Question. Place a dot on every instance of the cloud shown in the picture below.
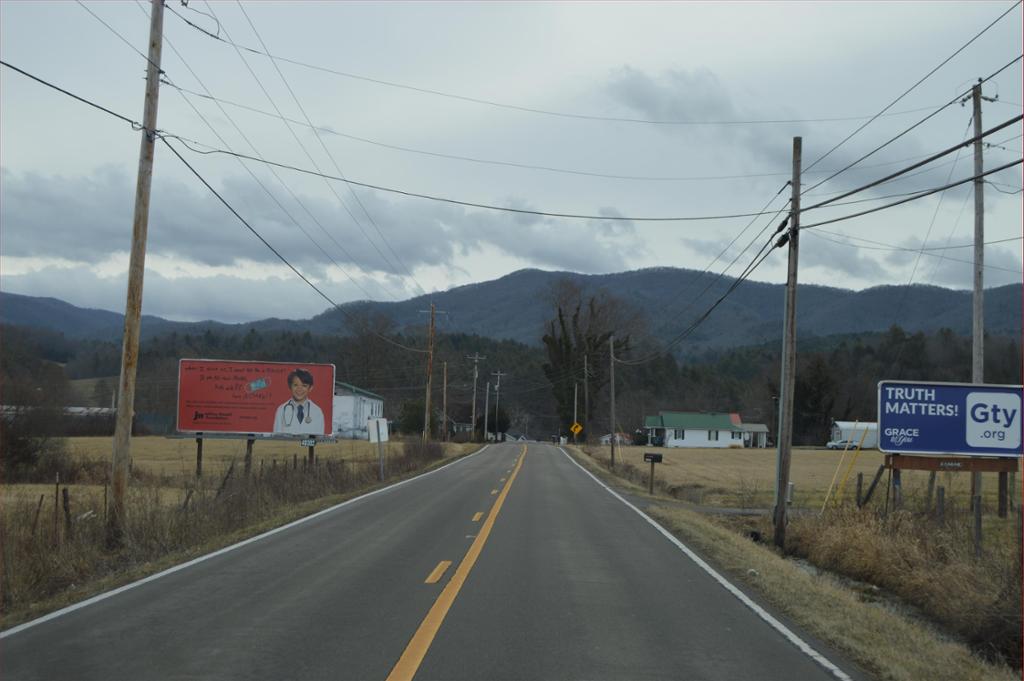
(840, 258)
(954, 268)
(86, 218)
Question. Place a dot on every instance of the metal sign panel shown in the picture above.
(378, 430)
(260, 398)
(949, 418)
(575, 428)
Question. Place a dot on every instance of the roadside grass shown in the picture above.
(745, 478)
(53, 560)
(163, 456)
(954, 602)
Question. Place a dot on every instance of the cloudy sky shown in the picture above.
(552, 111)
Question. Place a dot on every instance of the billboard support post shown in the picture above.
(199, 455)
(312, 455)
(248, 455)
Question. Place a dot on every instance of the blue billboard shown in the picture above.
(949, 418)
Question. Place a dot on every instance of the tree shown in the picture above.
(584, 334)
(410, 418)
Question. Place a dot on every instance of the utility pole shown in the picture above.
(978, 314)
(786, 384)
(575, 395)
(497, 399)
(487, 411)
(122, 452)
(444, 402)
(586, 400)
(430, 374)
(476, 358)
(611, 374)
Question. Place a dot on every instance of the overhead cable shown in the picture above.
(881, 146)
(919, 195)
(275, 251)
(914, 86)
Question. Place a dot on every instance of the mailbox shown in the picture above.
(651, 457)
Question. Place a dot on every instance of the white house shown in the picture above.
(755, 435)
(695, 429)
(353, 407)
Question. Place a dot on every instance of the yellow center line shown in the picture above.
(410, 661)
(477, 516)
(435, 576)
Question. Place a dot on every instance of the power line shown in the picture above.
(527, 109)
(881, 246)
(135, 125)
(919, 195)
(344, 205)
(914, 86)
(929, 159)
(120, 37)
(329, 154)
(471, 204)
(513, 164)
(275, 251)
(273, 172)
(907, 130)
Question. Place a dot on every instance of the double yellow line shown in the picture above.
(407, 665)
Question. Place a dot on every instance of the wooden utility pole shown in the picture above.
(575, 396)
(586, 400)
(978, 312)
(430, 374)
(497, 399)
(121, 456)
(487, 411)
(476, 358)
(444, 403)
(788, 380)
(611, 374)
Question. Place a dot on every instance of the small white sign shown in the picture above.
(993, 420)
(378, 429)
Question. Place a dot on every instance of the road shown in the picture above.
(550, 577)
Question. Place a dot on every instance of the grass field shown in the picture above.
(171, 456)
(746, 477)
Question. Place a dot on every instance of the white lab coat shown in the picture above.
(286, 419)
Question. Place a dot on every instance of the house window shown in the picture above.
(712, 434)
(680, 434)
(737, 435)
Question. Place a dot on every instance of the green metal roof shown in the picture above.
(690, 420)
(356, 391)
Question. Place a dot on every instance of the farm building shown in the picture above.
(707, 430)
(352, 408)
(854, 430)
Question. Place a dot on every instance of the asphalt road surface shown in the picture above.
(513, 563)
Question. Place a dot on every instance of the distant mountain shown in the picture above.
(516, 306)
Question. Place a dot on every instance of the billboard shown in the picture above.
(949, 418)
(261, 398)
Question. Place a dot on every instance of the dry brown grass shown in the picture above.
(46, 565)
(745, 478)
(165, 456)
(874, 635)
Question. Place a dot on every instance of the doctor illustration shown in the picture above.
(299, 416)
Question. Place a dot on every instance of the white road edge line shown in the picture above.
(802, 645)
(163, 573)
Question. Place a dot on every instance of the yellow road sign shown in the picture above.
(576, 428)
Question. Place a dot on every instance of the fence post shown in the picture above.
(295, 462)
(977, 526)
(35, 520)
(56, 512)
(248, 456)
(931, 492)
(940, 504)
(68, 532)
(860, 489)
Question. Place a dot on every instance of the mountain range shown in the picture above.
(517, 306)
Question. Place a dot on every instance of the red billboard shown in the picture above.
(264, 398)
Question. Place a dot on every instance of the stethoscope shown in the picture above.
(289, 413)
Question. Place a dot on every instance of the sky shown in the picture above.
(626, 110)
